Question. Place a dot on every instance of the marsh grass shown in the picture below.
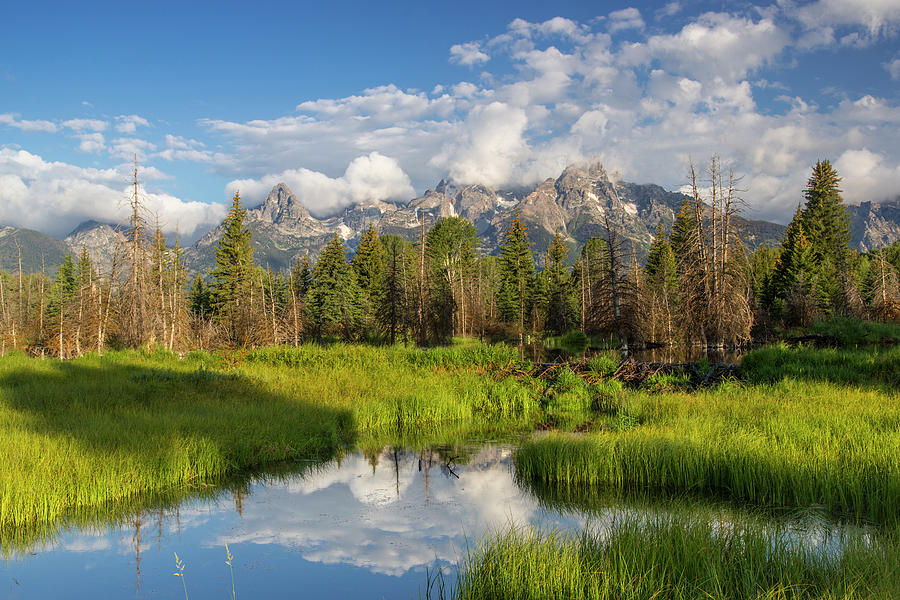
(853, 332)
(99, 432)
(804, 427)
(676, 556)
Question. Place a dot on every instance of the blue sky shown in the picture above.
(363, 101)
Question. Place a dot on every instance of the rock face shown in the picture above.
(101, 240)
(580, 203)
(874, 225)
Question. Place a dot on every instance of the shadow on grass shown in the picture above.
(93, 440)
(873, 367)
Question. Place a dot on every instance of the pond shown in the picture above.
(367, 525)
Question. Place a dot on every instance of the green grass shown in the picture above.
(100, 432)
(853, 332)
(804, 427)
(681, 556)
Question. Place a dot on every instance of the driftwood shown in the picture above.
(630, 372)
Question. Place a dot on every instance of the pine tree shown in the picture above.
(590, 268)
(393, 307)
(795, 277)
(232, 285)
(516, 276)
(683, 230)
(332, 301)
(826, 225)
(301, 276)
(368, 264)
(200, 299)
(660, 267)
(558, 287)
(661, 285)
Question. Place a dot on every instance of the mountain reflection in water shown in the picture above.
(364, 526)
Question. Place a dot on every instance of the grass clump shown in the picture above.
(785, 436)
(95, 431)
(677, 557)
(853, 332)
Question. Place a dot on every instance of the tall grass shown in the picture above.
(95, 431)
(677, 557)
(818, 427)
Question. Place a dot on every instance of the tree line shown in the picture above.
(698, 285)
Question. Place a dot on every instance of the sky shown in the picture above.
(349, 102)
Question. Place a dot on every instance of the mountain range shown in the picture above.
(578, 203)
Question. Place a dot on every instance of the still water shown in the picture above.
(364, 526)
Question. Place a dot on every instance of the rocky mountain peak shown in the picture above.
(281, 205)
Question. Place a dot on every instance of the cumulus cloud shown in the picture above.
(893, 68)
(715, 45)
(85, 124)
(91, 142)
(468, 54)
(26, 125)
(54, 197)
(627, 18)
(491, 145)
(128, 124)
(367, 178)
(872, 19)
(643, 107)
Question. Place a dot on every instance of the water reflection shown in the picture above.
(366, 525)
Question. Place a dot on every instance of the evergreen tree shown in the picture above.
(200, 299)
(826, 225)
(393, 308)
(516, 275)
(683, 231)
(660, 288)
(332, 301)
(795, 276)
(588, 273)
(301, 275)
(368, 264)
(660, 268)
(233, 275)
(558, 317)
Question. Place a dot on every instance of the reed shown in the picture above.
(675, 557)
(804, 427)
(96, 431)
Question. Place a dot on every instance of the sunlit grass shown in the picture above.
(805, 427)
(100, 430)
(676, 557)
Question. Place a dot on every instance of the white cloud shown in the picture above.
(715, 45)
(627, 18)
(490, 146)
(893, 68)
(642, 108)
(468, 54)
(128, 148)
(54, 197)
(91, 142)
(872, 19)
(129, 123)
(868, 175)
(367, 178)
(25, 125)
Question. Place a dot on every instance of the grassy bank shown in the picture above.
(676, 557)
(101, 431)
(803, 427)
